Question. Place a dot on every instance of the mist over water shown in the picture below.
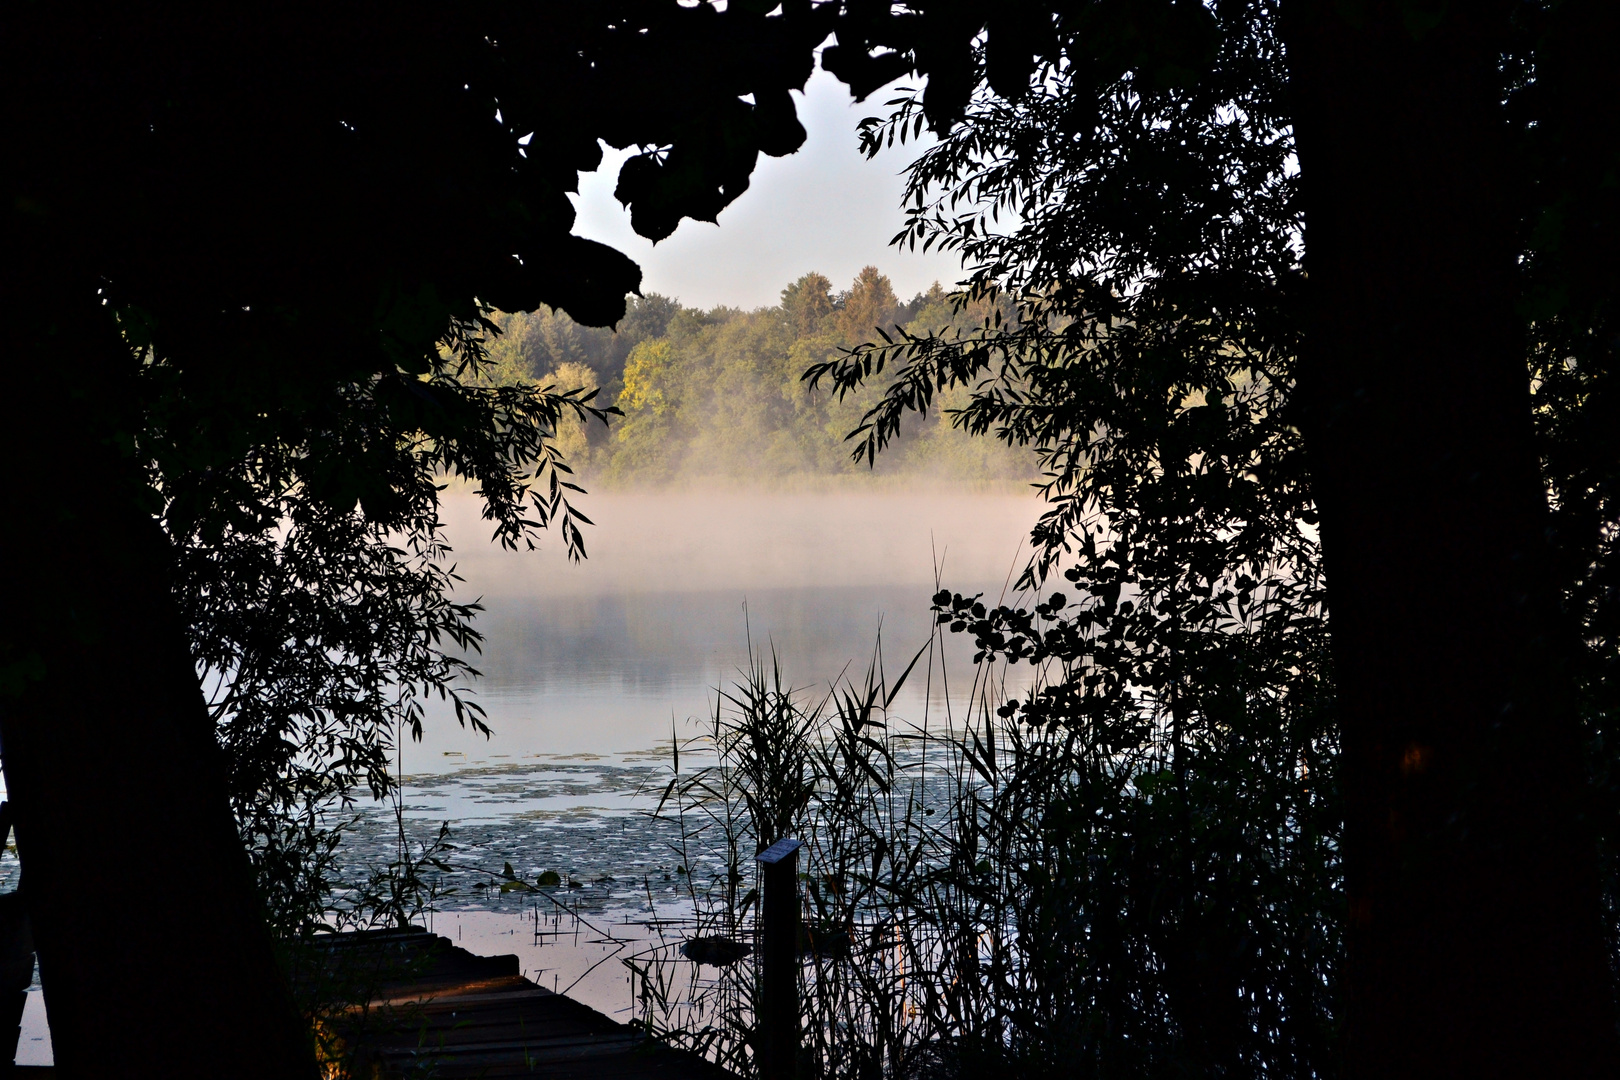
(686, 539)
(600, 657)
(590, 668)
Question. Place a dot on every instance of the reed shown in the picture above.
(984, 897)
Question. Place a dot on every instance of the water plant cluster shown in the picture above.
(986, 895)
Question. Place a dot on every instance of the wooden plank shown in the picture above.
(431, 1003)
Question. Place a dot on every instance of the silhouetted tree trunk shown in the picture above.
(153, 954)
(1474, 943)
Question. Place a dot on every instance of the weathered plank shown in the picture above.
(422, 1003)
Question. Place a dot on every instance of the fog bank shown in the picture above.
(731, 539)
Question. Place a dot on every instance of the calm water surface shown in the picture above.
(589, 669)
(600, 657)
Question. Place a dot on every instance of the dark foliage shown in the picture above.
(253, 252)
(1126, 174)
(319, 630)
(1567, 120)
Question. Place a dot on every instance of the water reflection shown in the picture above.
(605, 656)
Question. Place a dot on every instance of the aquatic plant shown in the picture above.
(985, 894)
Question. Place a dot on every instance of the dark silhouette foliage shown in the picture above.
(1153, 257)
(1149, 182)
(252, 258)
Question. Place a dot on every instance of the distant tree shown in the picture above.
(808, 302)
(267, 245)
(646, 317)
(719, 394)
(868, 306)
(645, 439)
(572, 434)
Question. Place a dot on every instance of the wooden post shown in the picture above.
(778, 1023)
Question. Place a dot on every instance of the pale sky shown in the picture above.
(825, 208)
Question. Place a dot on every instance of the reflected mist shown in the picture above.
(602, 656)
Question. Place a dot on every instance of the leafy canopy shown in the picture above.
(1122, 175)
(299, 220)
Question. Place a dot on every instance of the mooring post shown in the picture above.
(778, 1030)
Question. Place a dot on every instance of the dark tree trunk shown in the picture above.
(153, 952)
(1475, 946)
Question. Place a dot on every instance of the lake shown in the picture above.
(589, 669)
(599, 657)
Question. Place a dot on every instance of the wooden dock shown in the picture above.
(426, 1006)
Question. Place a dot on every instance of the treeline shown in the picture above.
(719, 393)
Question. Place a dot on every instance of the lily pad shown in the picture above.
(715, 951)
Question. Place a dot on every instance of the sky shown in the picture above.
(825, 208)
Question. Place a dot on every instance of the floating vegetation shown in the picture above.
(577, 825)
(716, 951)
